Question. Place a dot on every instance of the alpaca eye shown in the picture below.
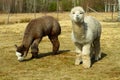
(73, 12)
(81, 13)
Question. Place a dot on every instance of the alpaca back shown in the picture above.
(93, 27)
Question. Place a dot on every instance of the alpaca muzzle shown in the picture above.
(20, 58)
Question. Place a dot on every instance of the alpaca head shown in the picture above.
(20, 52)
(77, 14)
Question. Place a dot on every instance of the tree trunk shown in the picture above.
(8, 2)
(57, 9)
(105, 6)
(20, 5)
(74, 3)
(118, 10)
(109, 7)
(35, 8)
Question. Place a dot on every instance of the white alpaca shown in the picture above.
(86, 32)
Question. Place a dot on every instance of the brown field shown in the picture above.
(61, 66)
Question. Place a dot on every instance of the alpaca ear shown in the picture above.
(16, 46)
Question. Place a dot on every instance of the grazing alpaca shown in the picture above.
(86, 32)
(35, 30)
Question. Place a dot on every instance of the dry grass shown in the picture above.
(61, 66)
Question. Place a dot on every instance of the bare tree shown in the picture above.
(43, 5)
(118, 10)
(57, 9)
(8, 8)
(35, 8)
(20, 5)
(74, 3)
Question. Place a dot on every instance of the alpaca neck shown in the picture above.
(78, 29)
(27, 41)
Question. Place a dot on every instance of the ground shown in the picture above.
(61, 66)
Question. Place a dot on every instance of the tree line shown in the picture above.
(25, 6)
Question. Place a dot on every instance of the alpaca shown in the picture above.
(34, 32)
(86, 32)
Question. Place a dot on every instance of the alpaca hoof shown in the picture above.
(55, 53)
(20, 59)
(86, 65)
(34, 56)
(77, 62)
(96, 58)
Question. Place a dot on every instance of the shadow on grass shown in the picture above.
(41, 55)
(51, 53)
(103, 55)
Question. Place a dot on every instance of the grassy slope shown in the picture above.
(59, 67)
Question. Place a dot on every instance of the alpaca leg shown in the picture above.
(92, 51)
(97, 49)
(54, 40)
(86, 56)
(78, 54)
(34, 48)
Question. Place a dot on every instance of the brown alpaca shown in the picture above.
(35, 31)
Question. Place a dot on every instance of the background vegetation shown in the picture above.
(24, 6)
